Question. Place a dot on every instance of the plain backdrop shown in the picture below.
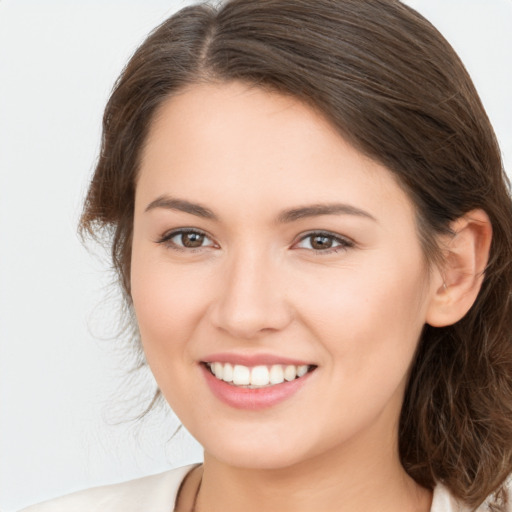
(63, 385)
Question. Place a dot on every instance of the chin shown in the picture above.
(261, 458)
(257, 451)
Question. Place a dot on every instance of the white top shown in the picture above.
(157, 493)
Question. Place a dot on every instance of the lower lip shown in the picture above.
(252, 399)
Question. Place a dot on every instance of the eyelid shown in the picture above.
(343, 241)
(166, 238)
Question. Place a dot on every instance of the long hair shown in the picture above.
(395, 89)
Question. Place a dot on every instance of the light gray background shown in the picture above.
(61, 384)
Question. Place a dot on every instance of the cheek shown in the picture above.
(168, 307)
(168, 302)
(368, 319)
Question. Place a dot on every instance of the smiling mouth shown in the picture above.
(256, 377)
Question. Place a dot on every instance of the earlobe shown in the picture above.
(465, 257)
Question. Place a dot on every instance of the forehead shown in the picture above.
(246, 147)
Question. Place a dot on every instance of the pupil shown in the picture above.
(192, 239)
(321, 242)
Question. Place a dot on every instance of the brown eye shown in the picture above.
(324, 243)
(183, 239)
(320, 242)
(192, 239)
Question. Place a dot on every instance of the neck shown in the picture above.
(333, 482)
(360, 472)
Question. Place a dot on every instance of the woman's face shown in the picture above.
(265, 246)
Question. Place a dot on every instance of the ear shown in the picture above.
(461, 273)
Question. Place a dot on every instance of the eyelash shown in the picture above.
(166, 239)
(344, 243)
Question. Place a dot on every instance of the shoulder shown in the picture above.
(443, 501)
(155, 492)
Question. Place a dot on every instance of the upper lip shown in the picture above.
(253, 359)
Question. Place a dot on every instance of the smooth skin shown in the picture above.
(346, 289)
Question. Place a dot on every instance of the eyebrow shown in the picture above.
(171, 203)
(286, 216)
(316, 210)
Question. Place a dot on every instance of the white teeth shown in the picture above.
(290, 372)
(301, 370)
(241, 375)
(257, 376)
(218, 369)
(260, 376)
(227, 374)
(276, 374)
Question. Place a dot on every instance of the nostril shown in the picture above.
(248, 319)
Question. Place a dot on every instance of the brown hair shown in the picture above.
(393, 86)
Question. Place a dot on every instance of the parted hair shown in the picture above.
(393, 87)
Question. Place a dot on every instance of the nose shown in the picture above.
(251, 300)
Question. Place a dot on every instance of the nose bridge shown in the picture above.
(251, 299)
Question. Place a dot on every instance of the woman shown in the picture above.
(312, 226)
